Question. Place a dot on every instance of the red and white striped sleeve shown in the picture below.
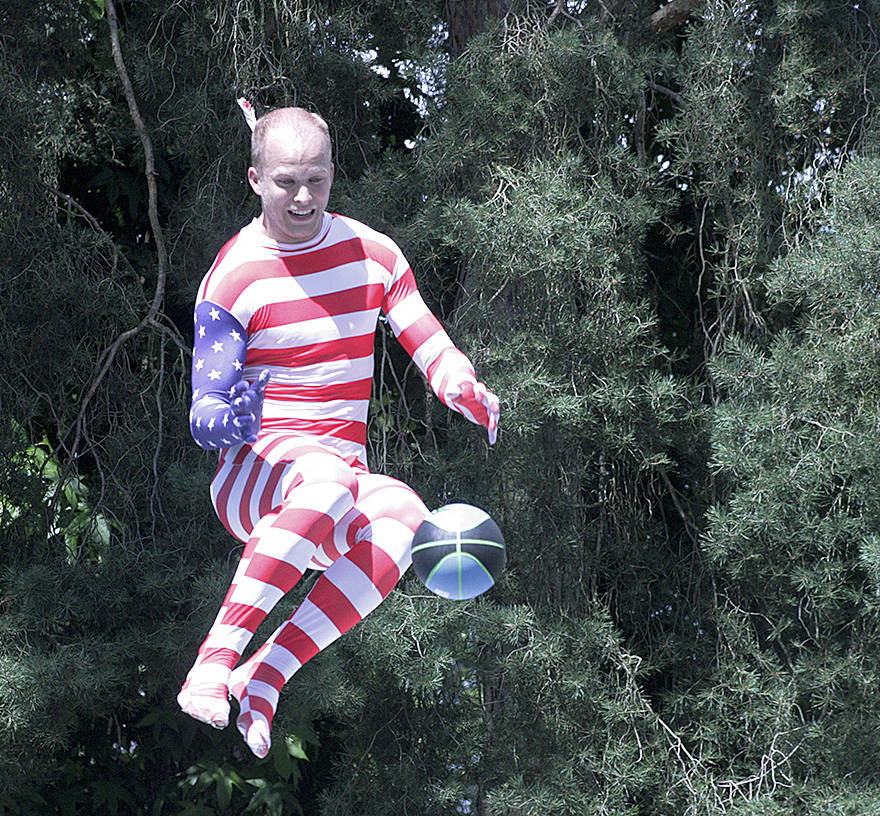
(447, 369)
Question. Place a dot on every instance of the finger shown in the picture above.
(242, 405)
(493, 425)
(244, 422)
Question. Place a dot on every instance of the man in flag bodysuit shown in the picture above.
(282, 374)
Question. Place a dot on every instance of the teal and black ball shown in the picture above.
(458, 551)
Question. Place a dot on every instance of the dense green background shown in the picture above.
(661, 247)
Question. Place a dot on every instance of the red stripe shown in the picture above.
(243, 616)
(222, 655)
(261, 706)
(354, 528)
(244, 504)
(334, 604)
(222, 503)
(380, 253)
(344, 348)
(402, 288)
(351, 250)
(256, 464)
(418, 332)
(333, 304)
(321, 260)
(269, 675)
(302, 521)
(357, 389)
(377, 565)
(268, 494)
(242, 276)
(220, 256)
(348, 430)
(297, 642)
(273, 571)
(453, 360)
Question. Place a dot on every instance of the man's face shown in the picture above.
(293, 183)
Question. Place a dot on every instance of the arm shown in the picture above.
(225, 408)
(453, 380)
(449, 372)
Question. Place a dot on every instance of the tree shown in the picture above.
(656, 242)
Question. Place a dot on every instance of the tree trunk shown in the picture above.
(466, 18)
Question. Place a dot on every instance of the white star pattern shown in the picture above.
(218, 359)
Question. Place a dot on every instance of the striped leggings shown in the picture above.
(297, 505)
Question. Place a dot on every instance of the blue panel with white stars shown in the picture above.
(218, 358)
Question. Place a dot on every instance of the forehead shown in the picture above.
(296, 146)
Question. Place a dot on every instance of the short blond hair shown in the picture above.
(295, 118)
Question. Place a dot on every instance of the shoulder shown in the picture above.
(241, 261)
(376, 245)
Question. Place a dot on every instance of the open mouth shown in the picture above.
(301, 216)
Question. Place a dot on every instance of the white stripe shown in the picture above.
(252, 592)
(332, 371)
(283, 545)
(327, 281)
(453, 363)
(317, 330)
(394, 538)
(355, 410)
(351, 581)
(406, 312)
(429, 350)
(315, 624)
(281, 659)
(207, 672)
(257, 688)
(228, 637)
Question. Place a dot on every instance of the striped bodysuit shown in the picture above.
(301, 495)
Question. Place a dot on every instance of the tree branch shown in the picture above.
(672, 14)
(150, 318)
(664, 90)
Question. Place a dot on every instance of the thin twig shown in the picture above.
(150, 318)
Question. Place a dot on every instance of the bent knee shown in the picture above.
(319, 467)
(392, 499)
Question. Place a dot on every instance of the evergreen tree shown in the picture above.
(654, 231)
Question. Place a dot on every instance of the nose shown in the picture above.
(303, 194)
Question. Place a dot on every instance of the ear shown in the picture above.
(253, 176)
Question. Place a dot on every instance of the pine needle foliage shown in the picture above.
(659, 247)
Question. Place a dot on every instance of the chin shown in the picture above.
(303, 231)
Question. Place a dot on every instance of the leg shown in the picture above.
(318, 488)
(384, 519)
